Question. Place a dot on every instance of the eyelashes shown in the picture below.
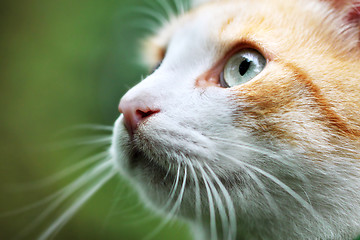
(160, 56)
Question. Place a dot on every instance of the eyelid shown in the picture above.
(156, 66)
(161, 52)
(208, 78)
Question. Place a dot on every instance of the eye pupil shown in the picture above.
(244, 67)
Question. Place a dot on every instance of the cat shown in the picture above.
(249, 125)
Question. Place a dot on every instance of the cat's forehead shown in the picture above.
(217, 26)
(205, 27)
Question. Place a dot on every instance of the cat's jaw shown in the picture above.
(155, 173)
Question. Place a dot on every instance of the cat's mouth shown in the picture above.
(137, 152)
(158, 149)
(148, 170)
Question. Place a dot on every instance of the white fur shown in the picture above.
(275, 189)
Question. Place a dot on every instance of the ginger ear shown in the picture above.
(349, 8)
(354, 13)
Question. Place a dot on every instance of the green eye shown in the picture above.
(242, 67)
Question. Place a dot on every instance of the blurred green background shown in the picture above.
(65, 63)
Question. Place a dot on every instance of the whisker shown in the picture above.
(284, 159)
(182, 190)
(60, 175)
(229, 203)
(263, 189)
(65, 193)
(99, 140)
(175, 207)
(93, 140)
(94, 127)
(173, 188)
(180, 8)
(168, 171)
(169, 11)
(158, 18)
(197, 193)
(86, 127)
(247, 146)
(274, 179)
(31, 206)
(63, 219)
(165, 221)
(186, 4)
(219, 204)
(115, 201)
(146, 29)
(213, 228)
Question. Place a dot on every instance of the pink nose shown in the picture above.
(135, 112)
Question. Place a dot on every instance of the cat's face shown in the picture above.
(250, 121)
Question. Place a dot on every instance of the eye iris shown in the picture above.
(244, 67)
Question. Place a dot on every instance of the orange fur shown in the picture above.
(313, 58)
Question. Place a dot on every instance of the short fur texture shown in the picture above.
(277, 157)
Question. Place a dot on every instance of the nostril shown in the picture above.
(132, 118)
(135, 112)
(145, 114)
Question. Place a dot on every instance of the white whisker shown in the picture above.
(197, 193)
(148, 28)
(220, 206)
(249, 147)
(169, 11)
(65, 193)
(175, 207)
(173, 188)
(168, 171)
(229, 203)
(63, 219)
(60, 175)
(182, 190)
(264, 191)
(32, 206)
(274, 179)
(213, 228)
(89, 140)
(179, 7)
(157, 17)
(97, 127)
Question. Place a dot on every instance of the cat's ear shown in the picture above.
(349, 11)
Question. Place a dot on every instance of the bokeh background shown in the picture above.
(63, 64)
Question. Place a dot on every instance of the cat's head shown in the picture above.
(250, 124)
